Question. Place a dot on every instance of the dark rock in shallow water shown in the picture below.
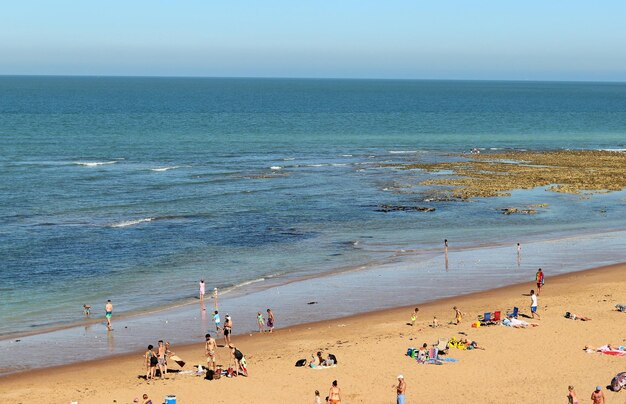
(401, 208)
(510, 211)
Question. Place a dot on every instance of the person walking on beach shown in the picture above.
(334, 395)
(108, 313)
(270, 320)
(533, 305)
(202, 290)
(414, 316)
(228, 329)
(260, 321)
(540, 280)
(209, 349)
(458, 316)
(218, 321)
(571, 396)
(161, 358)
(597, 397)
(400, 389)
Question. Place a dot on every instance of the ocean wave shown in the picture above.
(289, 158)
(128, 223)
(346, 155)
(160, 169)
(613, 150)
(93, 163)
(276, 168)
(403, 151)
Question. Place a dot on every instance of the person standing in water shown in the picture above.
(228, 329)
(215, 305)
(108, 313)
(270, 320)
(260, 321)
(540, 280)
(202, 290)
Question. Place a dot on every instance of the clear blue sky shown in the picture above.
(473, 39)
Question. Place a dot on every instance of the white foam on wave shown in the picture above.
(346, 155)
(403, 151)
(94, 163)
(289, 159)
(613, 150)
(128, 223)
(276, 168)
(160, 169)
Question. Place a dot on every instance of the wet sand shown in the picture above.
(517, 365)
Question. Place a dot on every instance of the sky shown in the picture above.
(438, 39)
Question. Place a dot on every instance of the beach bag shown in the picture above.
(230, 372)
(618, 381)
(300, 363)
(568, 314)
(333, 357)
(218, 374)
(210, 374)
(410, 351)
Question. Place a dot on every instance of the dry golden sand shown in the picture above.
(497, 174)
(518, 365)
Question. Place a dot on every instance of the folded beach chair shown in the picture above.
(496, 317)
(486, 320)
(442, 346)
(514, 313)
(433, 357)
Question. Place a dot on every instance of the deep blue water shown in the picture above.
(135, 188)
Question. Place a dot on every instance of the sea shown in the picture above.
(133, 189)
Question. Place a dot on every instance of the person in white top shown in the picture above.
(533, 304)
(201, 290)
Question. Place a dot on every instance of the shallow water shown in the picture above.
(133, 189)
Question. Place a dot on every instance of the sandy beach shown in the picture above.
(517, 365)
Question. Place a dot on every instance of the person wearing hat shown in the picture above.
(400, 388)
(597, 396)
(228, 329)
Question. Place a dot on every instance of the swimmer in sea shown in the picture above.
(87, 310)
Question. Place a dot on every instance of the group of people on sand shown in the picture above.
(333, 397)
(597, 397)
(157, 359)
(237, 361)
(319, 361)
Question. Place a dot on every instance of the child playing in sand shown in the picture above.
(318, 399)
(458, 315)
(571, 395)
(414, 316)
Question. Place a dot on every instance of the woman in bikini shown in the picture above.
(334, 395)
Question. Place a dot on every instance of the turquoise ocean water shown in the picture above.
(135, 188)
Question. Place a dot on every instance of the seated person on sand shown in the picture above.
(422, 353)
(576, 317)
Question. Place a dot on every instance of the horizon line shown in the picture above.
(313, 78)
